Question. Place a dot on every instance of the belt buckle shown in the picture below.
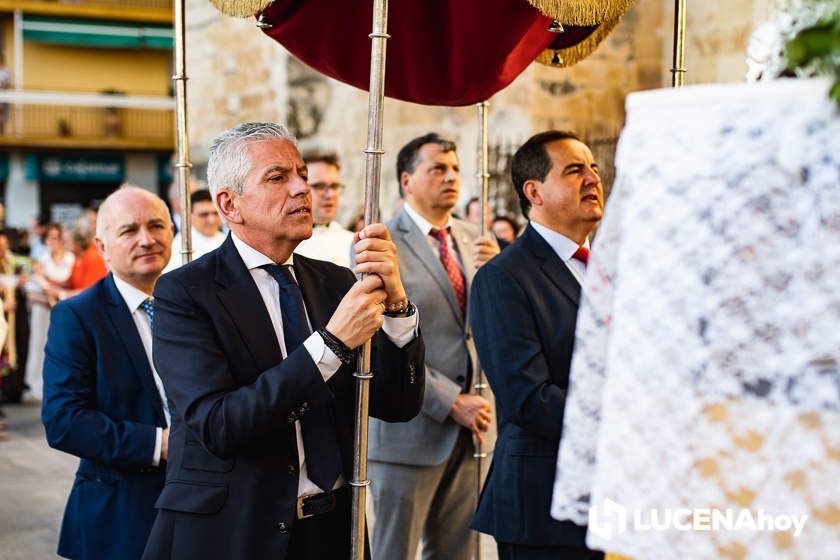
(302, 499)
(300, 514)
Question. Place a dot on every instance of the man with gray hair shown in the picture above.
(103, 401)
(255, 346)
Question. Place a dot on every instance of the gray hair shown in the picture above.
(230, 163)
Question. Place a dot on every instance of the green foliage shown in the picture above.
(815, 50)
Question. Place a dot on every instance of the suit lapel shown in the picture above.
(240, 296)
(120, 317)
(552, 266)
(419, 246)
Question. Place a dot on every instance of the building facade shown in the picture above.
(85, 103)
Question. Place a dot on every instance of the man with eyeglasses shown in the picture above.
(206, 234)
(329, 241)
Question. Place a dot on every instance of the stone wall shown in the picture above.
(239, 74)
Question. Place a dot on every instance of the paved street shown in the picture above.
(34, 482)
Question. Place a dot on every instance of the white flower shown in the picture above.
(765, 52)
(766, 48)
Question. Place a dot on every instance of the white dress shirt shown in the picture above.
(400, 330)
(565, 249)
(330, 243)
(426, 227)
(201, 245)
(133, 298)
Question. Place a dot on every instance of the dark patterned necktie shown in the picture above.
(317, 424)
(148, 306)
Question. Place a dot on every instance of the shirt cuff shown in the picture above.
(158, 446)
(402, 330)
(325, 359)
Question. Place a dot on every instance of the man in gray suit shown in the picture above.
(424, 470)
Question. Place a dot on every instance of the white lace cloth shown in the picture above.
(706, 369)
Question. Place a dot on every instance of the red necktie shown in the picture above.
(456, 277)
(582, 254)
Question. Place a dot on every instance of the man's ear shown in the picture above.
(100, 248)
(226, 203)
(531, 188)
(405, 179)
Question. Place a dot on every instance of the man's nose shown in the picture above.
(591, 177)
(145, 236)
(299, 186)
(452, 174)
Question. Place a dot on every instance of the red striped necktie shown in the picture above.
(453, 271)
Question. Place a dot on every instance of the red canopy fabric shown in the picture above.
(441, 52)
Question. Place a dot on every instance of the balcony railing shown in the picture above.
(157, 11)
(159, 4)
(77, 120)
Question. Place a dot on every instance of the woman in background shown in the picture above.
(53, 269)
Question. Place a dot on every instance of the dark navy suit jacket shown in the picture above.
(523, 312)
(232, 477)
(101, 404)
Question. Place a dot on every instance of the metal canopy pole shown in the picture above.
(182, 166)
(373, 169)
(483, 176)
(678, 70)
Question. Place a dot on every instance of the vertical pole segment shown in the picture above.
(678, 70)
(373, 168)
(18, 69)
(182, 166)
(483, 176)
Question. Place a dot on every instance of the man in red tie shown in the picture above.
(523, 312)
(423, 470)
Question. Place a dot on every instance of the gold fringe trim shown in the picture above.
(582, 12)
(241, 8)
(563, 58)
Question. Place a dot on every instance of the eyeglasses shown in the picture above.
(208, 214)
(321, 187)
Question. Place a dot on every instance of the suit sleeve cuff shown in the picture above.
(158, 446)
(325, 359)
(401, 330)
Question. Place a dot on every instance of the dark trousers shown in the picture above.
(326, 536)
(509, 551)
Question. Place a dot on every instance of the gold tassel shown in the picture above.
(241, 8)
(582, 12)
(570, 56)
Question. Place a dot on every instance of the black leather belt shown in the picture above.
(317, 504)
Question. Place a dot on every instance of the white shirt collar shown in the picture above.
(131, 295)
(332, 226)
(250, 256)
(562, 245)
(422, 223)
(196, 233)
